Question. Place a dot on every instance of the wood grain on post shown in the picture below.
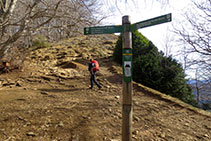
(127, 87)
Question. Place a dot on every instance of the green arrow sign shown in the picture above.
(102, 29)
(118, 28)
(151, 22)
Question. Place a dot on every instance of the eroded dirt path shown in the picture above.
(51, 108)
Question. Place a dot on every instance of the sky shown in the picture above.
(140, 10)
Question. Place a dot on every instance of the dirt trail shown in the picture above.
(65, 109)
(50, 101)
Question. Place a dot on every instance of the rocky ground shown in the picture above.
(50, 100)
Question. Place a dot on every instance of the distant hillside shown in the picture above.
(205, 91)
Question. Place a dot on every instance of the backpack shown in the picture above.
(96, 66)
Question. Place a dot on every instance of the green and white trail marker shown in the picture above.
(127, 64)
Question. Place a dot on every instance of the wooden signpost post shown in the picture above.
(126, 28)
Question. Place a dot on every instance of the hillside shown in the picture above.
(204, 89)
(50, 100)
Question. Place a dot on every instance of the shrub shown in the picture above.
(40, 42)
(151, 68)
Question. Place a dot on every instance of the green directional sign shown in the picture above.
(151, 22)
(103, 29)
(119, 28)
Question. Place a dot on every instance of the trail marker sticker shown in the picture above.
(127, 64)
(127, 67)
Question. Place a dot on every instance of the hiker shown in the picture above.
(5, 68)
(93, 68)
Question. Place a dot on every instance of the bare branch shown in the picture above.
(195, 34)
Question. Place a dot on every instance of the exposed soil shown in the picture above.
(46, 103)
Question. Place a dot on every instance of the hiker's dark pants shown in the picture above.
(93, 80)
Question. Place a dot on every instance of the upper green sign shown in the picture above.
(151, 22)
(103, 29)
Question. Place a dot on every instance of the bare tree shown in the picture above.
(115, 4)
(21, 20)
(73, 16)
(195, 35)
(167, 45)
(6, 8)
(198, 86)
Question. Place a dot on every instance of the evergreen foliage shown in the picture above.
(151, 68)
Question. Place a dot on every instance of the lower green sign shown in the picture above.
(127, 64)
(102, 29)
